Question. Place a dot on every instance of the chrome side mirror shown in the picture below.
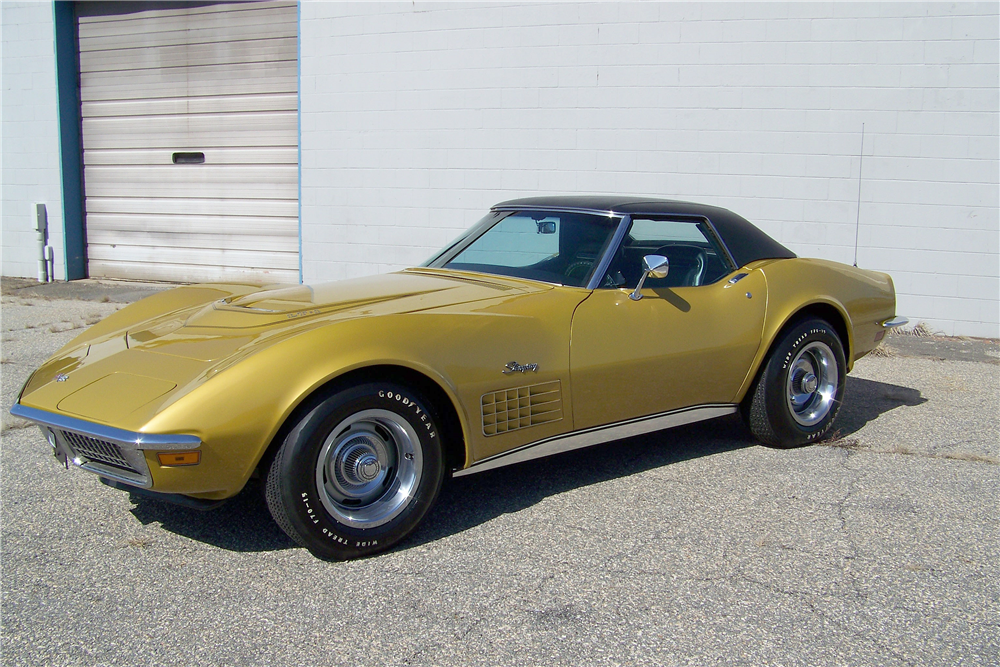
(656, 266)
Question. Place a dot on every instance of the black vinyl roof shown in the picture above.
(745, 242)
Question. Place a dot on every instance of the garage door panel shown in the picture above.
(136, 18)
(221, 53)
(131, 10)
(215, 155)
(195, 34)
(277, 228)
(249, 78)
(192, 273)
(198, 142)
(272, 128)
(237, 241)
(193, 206)
(197, 256)
(262, 85)
(220, 79)
(191, 105)
(187, 174)
(250, 191)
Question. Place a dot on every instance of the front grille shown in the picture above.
(521, 407)
(97, 451)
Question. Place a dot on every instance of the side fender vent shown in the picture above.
(521, 407)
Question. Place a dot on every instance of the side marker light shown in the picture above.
(179, 458)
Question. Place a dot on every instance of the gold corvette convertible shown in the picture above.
(554, 323)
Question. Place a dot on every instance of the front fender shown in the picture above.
(239, 406)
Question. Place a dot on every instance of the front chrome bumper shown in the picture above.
(110, 452)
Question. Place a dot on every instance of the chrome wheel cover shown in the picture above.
(368, 468)
(811, 387)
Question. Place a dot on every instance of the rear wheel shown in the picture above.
(800, 389)
(358, 472)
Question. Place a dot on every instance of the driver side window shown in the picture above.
(695, 259)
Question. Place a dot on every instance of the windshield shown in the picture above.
(552, 247)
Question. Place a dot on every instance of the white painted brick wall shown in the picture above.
(415, 118)
(30, 137)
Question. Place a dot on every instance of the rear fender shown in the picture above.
(855, 301)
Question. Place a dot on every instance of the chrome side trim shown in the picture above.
(129, 440)
(895, 322)
(599, 434)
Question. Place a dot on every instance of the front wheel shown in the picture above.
(358, 472)
(800, 389)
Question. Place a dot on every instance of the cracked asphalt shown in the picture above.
(687, 547)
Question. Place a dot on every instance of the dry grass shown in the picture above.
(140, 542)
(968, 456)
(59, 327)
(836, 439)
(849, 443)
(15, 424)
(921, 330)
(882, 351)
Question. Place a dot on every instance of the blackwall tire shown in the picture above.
(800, 389)
(358, 472)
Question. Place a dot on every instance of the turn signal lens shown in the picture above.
(879, 335)
(179, 458)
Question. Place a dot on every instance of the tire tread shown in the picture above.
(272, 494)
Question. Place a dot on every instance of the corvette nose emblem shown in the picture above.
(62, 377)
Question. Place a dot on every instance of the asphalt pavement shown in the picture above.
(693, 546)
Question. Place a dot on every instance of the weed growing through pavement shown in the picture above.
(59, 327)
(854, 445)
(921, 330)
(882, 351)
(15, 425)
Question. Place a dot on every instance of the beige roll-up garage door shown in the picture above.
(190, 140)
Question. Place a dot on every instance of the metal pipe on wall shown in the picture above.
(42, 227)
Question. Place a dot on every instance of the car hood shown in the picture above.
(108, 377)
(403, 292)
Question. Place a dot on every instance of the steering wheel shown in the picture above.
(577, 270)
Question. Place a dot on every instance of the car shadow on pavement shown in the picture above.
(244, 523)
(866, 400)
(467, 502)
(241, 524)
